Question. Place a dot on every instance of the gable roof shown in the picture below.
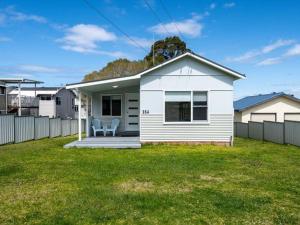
(251, 101)
(138, 76)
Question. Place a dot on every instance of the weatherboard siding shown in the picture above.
(219, 129)
(186, 75)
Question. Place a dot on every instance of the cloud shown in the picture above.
(38, 69)
(244, 57)
(252, 54)
(278, 44)
(270, 61)
(114, 54)
(116, 11)
(212, 5)
(2, 18)
(4, 39)
(189, 27)
(294, 51)
(10, 13)
(84, 38)
(229, 5)
(144, 5)
(146, 43)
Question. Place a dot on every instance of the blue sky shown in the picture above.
(58, 42)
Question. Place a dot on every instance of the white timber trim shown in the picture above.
(79, 116)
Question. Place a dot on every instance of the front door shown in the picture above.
(132, 111)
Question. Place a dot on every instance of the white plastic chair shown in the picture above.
(96, 126)
(113, 127)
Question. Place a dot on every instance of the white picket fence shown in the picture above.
(16, 129)
(281, 133)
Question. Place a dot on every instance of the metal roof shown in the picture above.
(250, 101)
(20, 80)
(39, 88)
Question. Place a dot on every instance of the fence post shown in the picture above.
(70, 126)
(14, 129)
(283, 130)
(34, 128)
(263, 131)
(248, 130)
(49, 127)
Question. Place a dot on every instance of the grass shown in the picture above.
(251, 183)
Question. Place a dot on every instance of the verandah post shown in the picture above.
(87, 122)
(79, 116)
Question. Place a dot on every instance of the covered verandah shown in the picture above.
(104, 101)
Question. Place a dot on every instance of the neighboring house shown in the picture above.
(275, 107)
(44, 101)
(186, 99)
(2, 98)
(5, 89)
(30, 99)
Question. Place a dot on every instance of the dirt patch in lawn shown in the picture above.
(136, 186)
(185, 186)
(147, 186)
(210, 178)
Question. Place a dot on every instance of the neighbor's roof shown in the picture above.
(20, 80)
(251, 101)
(138, 76)
(39, 88)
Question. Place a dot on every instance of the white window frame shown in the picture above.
(109, 116)
(192, 105)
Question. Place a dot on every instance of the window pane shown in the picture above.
(200, 113)
(106, 105)
(178, 96)
(58, 102)
(116, 106)
(116, 97)
(199, 98)
(2, 90)
(177, 111)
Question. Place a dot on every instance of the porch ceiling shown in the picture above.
(111, 84)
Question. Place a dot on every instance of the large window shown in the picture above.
(111, 105)
(178, 106)
(185, 106)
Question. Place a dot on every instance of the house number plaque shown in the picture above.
(145, 111)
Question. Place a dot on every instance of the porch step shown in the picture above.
(102, 145)
(106, 142)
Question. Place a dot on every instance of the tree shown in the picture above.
(166, 49)
(117, 68)
(163, 50)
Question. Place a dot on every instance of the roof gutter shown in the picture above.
(79, 85)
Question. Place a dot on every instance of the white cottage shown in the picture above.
(186, 99)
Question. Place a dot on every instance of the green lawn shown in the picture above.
(251, 183)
